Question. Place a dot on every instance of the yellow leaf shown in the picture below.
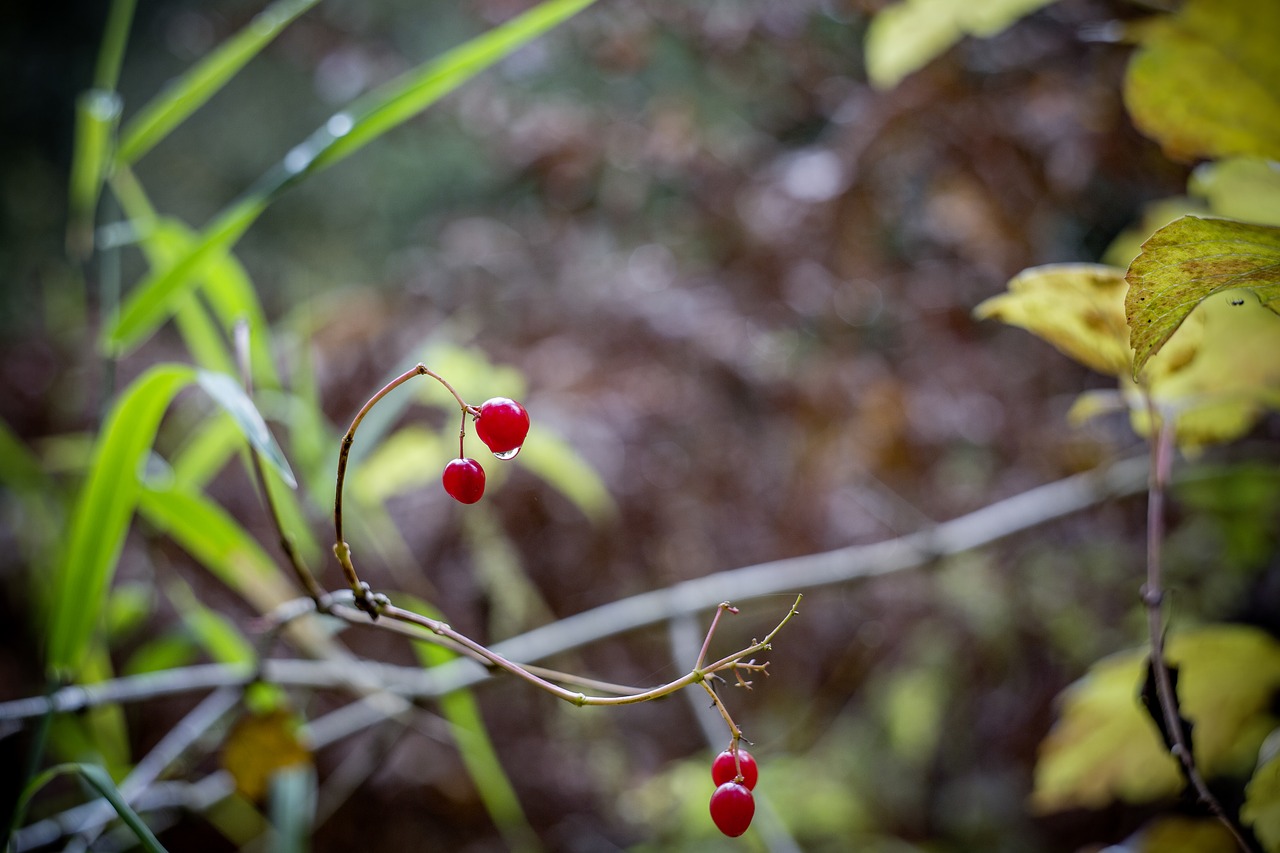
(1219, 372)
(1079, 308)
(907, 35)
(1239, 188)
(1261, 809)
(1216, 374)
(1104, 747)
(1176, 834)
(1186, 262)
(1203, 83)
(258, 746)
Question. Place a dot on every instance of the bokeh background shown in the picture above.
(738, 281)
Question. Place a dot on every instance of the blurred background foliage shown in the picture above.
(732, 282)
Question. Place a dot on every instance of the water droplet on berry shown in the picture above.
(507, 454)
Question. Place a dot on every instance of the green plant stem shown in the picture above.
(303, 574)
(115, 37)
(340, 548)
(1162, 446)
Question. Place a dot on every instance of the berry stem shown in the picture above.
(715, 620)
(733, 727)
(473, 649)
(340, 549)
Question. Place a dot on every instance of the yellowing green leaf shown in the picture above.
(1203, 83)
(1079, 308)
(408, 459)
(1128, 243)
(1189, 260)
(1105, 747)
(1215, 375)
(1261, 809)
(1240, 188)
(259, 746)
(1218, 373)
(1177, 834)
(905, 36)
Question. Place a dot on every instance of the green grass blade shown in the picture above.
(115, 36)
(100, 781)
(230, 396)
(154, 300)
(97, 113)
(563, 468)
(20, 469)
(220, 637)
(478, 753)
(102, 513)
(225, 283)
(206, 452)
(189, 92)
(204, 340)
(217, 541)
(399, 100)
(293, 808)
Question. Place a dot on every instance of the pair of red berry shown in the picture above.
(502, 425)
(732, 804)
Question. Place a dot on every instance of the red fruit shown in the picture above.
(723, 769)
(732, 807)
(464, 480)
(502, 425)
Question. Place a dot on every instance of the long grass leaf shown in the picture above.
(478, 753)
(102, 513)
(156, 297)
(20, 469)
(369, 117)
(230, 396)
(97, 113)
(293, 808)
(115, 36)
(100, 781)
(225, 283)
(204, 340)
(217, 541)
(555, 461)
(206, 451)
(388, 106)
(202, 81)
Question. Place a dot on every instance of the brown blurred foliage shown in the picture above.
(739, 281)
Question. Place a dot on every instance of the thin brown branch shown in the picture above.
(1162, 447)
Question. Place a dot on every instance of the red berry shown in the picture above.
(502, 425)
(723, 769)
(464, 480)
(732, 807)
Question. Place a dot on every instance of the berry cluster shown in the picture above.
(502, 425)
(732, 805)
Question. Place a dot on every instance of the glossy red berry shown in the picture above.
(732, 807)
(723, 769)
(502, 425)
(464, 480)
